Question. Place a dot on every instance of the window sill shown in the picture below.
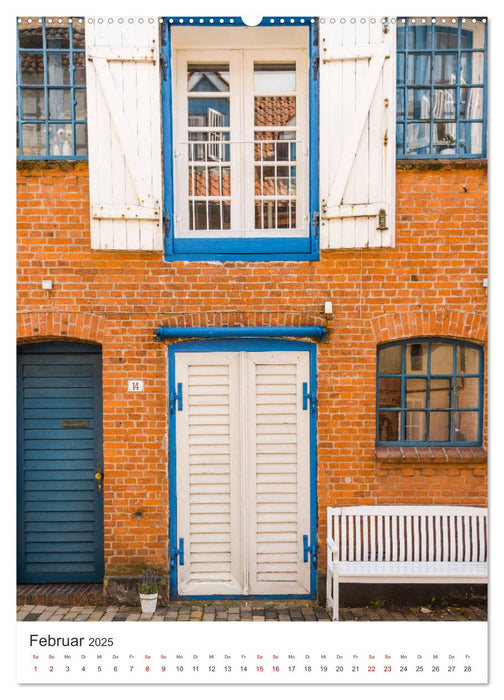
(430, 455)
(458, 163)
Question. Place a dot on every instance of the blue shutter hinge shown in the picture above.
(309, 549)
(316, 223)
(164, 68)
(177, 553)
(166, 223)
(315, 64)
(174, 397)
(309, 396)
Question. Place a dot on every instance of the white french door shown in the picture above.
(242, 473)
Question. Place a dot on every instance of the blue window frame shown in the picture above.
(441, 88)
(51, 89)
(239, 247)
(429, 392)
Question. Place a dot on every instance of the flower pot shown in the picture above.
(148, 601)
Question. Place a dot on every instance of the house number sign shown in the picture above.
(135, 385)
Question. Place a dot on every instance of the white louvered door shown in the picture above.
(243, 473)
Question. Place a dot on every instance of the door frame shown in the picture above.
(47, 348)
(238, 345)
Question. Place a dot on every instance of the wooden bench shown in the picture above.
(404, 544)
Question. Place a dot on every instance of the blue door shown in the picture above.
(60, 463)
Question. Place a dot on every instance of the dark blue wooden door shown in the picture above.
(60, 506)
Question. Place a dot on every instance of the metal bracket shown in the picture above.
(382, 220)
(309, 549)
(177, 553)
(176, 397)
(316, 223)
(309, 396)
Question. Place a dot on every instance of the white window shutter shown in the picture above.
(357, 133)
(124, 133)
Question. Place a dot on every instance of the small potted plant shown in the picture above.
(148, 590)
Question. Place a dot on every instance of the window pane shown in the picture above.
(33, 103)
(419, 36)
(209, 111)
(471, 103)
(444, 137)
(471, 138)
(30, 35)
(445, 69)
(400, 139)
(59, 104)
(208, 77)
(80, 139)
(416, 393)
(275, 111)
(419, 69)
(466, 426)
(439, 426)
(415, 425)
(60, 139)
(32, 68)
(419, 103)
(274, 77)
(390, 359)
(467, 360)
(442, 358)
(400, 66)
(34, 139)
(416, 358)
(57, 36)
(418, 136)
(80, 69)
(400, 103)
(389, 426)
(78, 33)
(80, 104)
(58, 69)
(389, 392)
(472, 66)
(445, 37)
(207, 146)
(467, 392)
(444, 104)
(440, 393)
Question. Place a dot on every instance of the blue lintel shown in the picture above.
(242, 332)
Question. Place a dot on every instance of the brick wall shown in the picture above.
(431, 283)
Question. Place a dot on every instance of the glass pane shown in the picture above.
(419, 103)
(208, 146)
(58, 69)
(445, 69)
(274, 77)
(80, 69)
(390, 359)
(440, 393)
(439, 426)
(78, 34)
(400, 103)
(467, 360)
(442, 358)
(30, 35)
(471, 138)
(467, 392)
(80, 139)
(208, 111)
(80, 104)
(208, 77)
(418, 138)
(198, 216)
(214, 216)
(419, 36)
(32, 68)
(419, 69)
(415, 425)
(444, 104)
(416, 358)
(389, 392)
(446, 37)
(444, 137)
(284, 215)
(275, 146)
(59, 104)
(472, 67)
(33, 103)
(401, 36)
(471, 103)
(60, 139)
(466, 426)
(389, 426)
(416, 393)
(34, 139)
(57, 36)
(400, 139)
(400, 66)
(275, 111)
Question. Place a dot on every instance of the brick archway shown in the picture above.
(442, 322)
(57, 325)
(219, 319)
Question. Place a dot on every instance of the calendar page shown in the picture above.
(252, 349)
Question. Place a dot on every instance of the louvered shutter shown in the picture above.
(357, 133)
(124, 133)
(208, 474)
(278, 473)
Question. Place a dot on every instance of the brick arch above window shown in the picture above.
(441, 323)
(221, 319)
(58, 325)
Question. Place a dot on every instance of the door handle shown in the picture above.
(99, 480)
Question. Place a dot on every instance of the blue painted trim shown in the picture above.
(221, 249)
(429, 376)
(239, 345)
(242, 332)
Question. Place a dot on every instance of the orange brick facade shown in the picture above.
(430, 284)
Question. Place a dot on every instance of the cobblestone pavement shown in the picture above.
(250, 612)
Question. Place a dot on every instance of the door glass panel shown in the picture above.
(205, 77)
(274, 77)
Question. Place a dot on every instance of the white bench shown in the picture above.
(404, 544)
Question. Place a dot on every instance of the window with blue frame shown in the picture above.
(51, 88)
(429, 391)
(240, 122)
(441, 88)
